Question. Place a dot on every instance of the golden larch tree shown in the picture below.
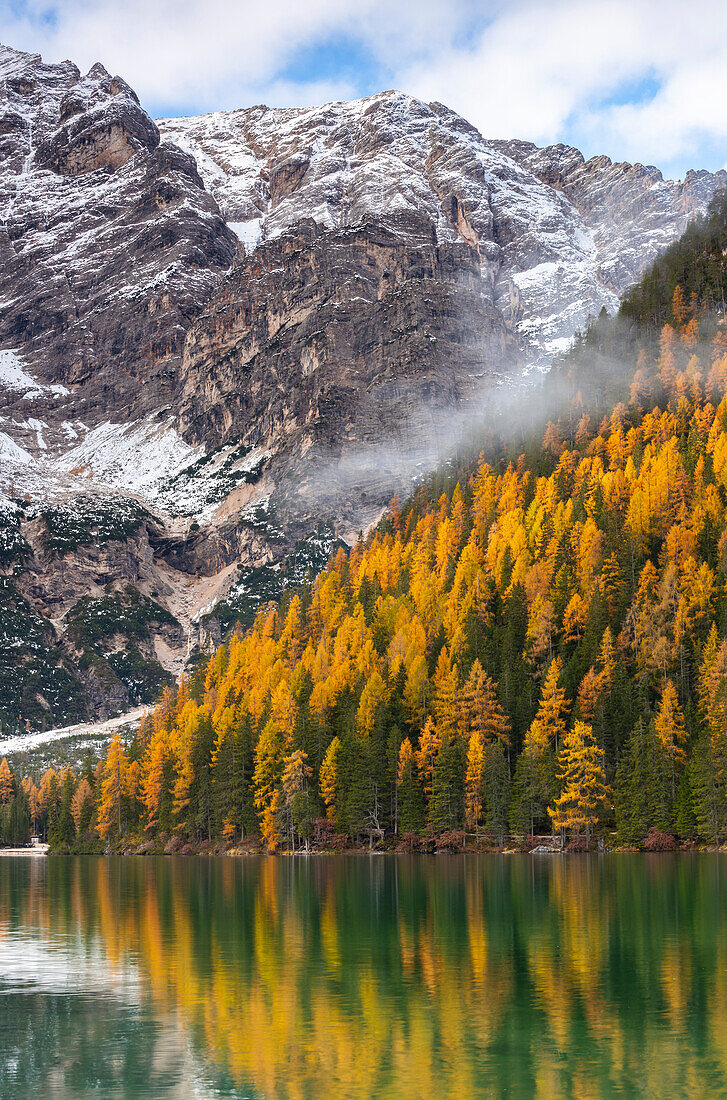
(154, 776)
(113, 785)
(266, 777)
(548, 726)
(328, 777)
(6, 782)
(473, 782)
(82, 795)
(584, 795)
(480, 710)
(430, 742)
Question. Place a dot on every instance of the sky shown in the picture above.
(638, 80)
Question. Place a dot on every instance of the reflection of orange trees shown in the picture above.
(418, 978)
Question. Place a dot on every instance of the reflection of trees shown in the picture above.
(420, 978)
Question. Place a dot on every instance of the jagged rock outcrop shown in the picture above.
(109, 242)
(555, 237)
(634, 211)
(397, 263)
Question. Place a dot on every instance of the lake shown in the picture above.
(364, 976)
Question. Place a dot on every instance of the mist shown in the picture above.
(352, 485)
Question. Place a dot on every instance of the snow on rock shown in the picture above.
(114, 243)
(136, 457)
(249, 233)
(28, 741)
(416, 168)
(13, 376)
(12, 454)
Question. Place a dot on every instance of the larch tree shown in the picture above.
(156, 780)
(328, 777)
(534, 783)
(539, 636)
(295, 805)
(548, 726)
(671, 734)
(584, 796)
(574, 619)
(474, 781)
(82, 806)
(446, 687)
(266, 777)
(7, 789)
(430, 743)
(113, 785)
(479, 709)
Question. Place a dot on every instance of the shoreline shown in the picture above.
(247, 852)
(33, 850)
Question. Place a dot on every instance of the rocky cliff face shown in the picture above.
(555, 237)
(633, 211)
(109, 242)
(229, 338)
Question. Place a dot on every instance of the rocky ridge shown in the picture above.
(230, 338)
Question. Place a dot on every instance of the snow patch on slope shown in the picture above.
(249, 233)
(25, 742)
(13, 376)
(10, 452)
(137, 457)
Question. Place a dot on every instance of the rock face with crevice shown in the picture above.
(321, 347)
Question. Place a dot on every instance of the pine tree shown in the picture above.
(64, 829)
(411, 809)
(496, 789)
(200, 807)
(446, 809)
(635, 785)
(231, 773)
(685, 822)
(708, 801)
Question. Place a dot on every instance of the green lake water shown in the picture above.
(364, 977)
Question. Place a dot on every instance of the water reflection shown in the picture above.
(363, 977)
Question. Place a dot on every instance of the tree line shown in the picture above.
(540, 647)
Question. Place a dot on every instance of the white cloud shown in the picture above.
(543, 70)
(539, 69)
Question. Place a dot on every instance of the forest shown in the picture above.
(535, 643)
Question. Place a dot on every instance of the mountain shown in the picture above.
(230, 338)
